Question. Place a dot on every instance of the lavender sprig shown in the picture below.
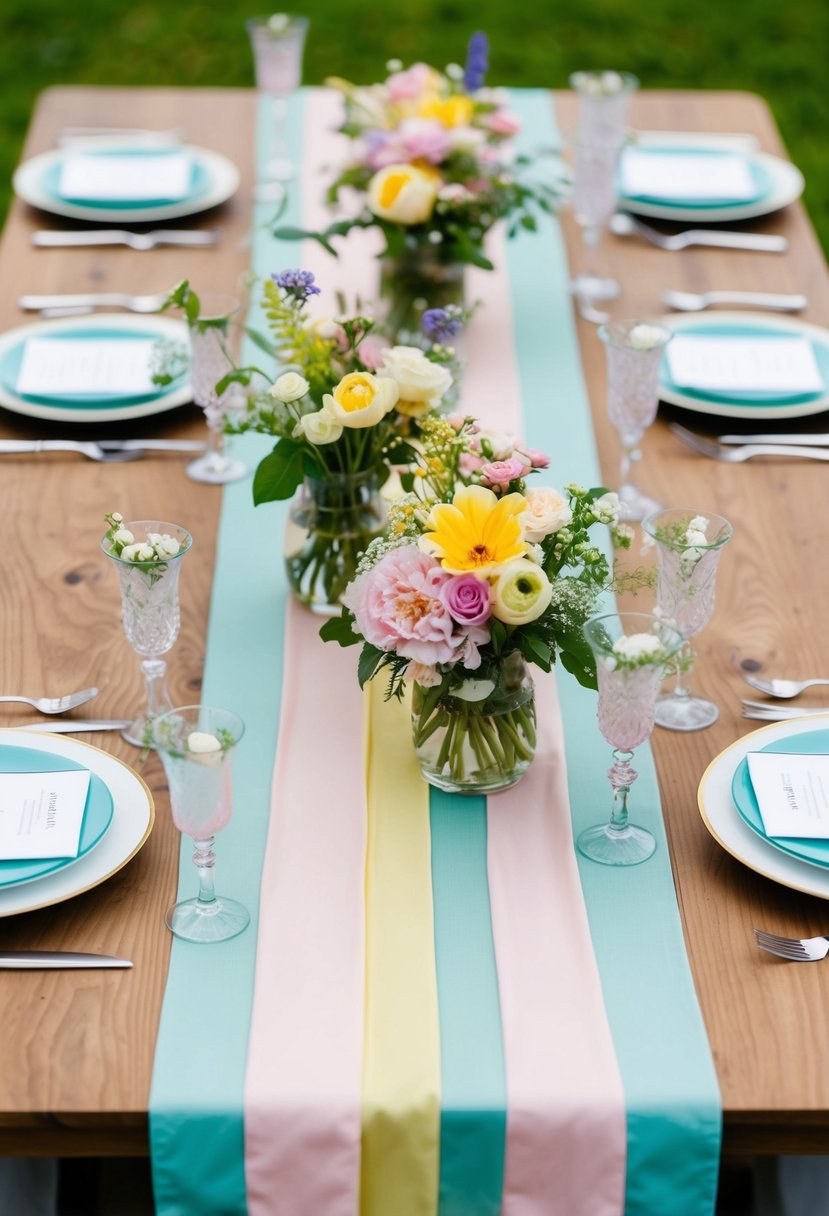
(298, 283)
(477, 62)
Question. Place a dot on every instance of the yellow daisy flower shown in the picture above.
(477, 531)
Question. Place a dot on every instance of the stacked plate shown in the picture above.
(122, 183)
(730, 812)
(81, 343)
(117, 821)
(690, 181)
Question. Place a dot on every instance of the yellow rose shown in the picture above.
(454, 111)
(360, 400)
(403, 194)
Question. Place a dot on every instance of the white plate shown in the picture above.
(131, 823)
(723, 821)
(165, 327)
(786, 182)
(221, 181)
(688, 322)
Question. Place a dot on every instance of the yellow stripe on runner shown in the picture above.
(401, 1061)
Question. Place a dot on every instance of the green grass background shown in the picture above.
(777, 48)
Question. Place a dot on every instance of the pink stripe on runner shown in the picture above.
(302, 1091)
(566, 1122)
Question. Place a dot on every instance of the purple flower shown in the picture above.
(297, 283)
(442, 323)
(466, 598)
(477, 62)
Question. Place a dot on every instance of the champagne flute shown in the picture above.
(689, 546)
(277, 43)
(634, 353)
(604, 100)
(631, 650)
(150, 610)
(195, 743)
(210, 361)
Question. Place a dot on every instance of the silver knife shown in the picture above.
(70, 726)
(52, 238)
(49, 960)
(808, 441)
(760, 242)
(20, 446)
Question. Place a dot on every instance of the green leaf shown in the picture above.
(536, 650)
(340, 629)
(370, 659)
(407, 481)
(401, 453)
(279, 474)
(302, 234)
(262, 342)
(498, 635)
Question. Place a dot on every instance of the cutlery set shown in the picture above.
(106, 451)
(734, 449)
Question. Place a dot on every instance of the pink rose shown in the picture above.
(499, 473)
(406, 86)
(467, 598)
(538, 460)
(503, 123)
(397, 606)
(371, 351)
(424, 139)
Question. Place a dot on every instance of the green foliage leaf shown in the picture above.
(340, 629)
(370, 659)
(279, 474)
(536, 650)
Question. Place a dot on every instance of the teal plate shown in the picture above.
(760, 177)
(96, 820)
(11, 359)
(709, 329)
(199, 183)
(811, 743)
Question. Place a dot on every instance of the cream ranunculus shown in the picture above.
(520, 593)
(361, 399)
(547, 511)
(421, 382)
(290, 387)
(403, 194)
(319, 428)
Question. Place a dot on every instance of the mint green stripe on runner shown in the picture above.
(473, 1087)
(674, 1116)
(196, 1101)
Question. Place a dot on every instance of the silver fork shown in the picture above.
(88, 448)
(623, 224)
(767, 712)
(782, 689)
(52, 238)
(57, 705)
(690, 301)
(735, 455)
(93, 299)
(795, 949)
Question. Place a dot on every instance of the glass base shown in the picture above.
(473, 788)
(194, 921)
(611, 846)
(216, 470)
(279, 169)
(634, 506)
(685, 713)
(139, 732)
(594, 287)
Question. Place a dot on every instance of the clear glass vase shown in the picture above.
(330, 523)
(420, 278)
(480, 737)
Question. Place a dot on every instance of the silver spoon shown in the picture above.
(689, 301)
(784, 690)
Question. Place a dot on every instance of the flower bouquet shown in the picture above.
(342, 409)
(432, 166)
(476, 577)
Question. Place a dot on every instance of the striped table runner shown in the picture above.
(438, 1010)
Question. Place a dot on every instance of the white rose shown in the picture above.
(699, 523)
(520, 592)
(694, 537)
(466, 139)
(403, 194)
(502, 446)
(420, 381)
(123, 537)
(646, 337)
(547, 511)
(130, 552)
(319, 428)
(290, 387)
(167, 546)
(204, 748)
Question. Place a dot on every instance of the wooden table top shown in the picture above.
(77, 1049)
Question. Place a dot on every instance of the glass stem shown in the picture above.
(204, 860)
(278, 144)
(158, 700)
(631, 453)
(683, 663)
(622, 776)
(592, 237)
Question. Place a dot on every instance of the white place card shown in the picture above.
(41, 814)
(792, 793)
(783, 365)
(58, 367)
(117, 178)
(687, 176)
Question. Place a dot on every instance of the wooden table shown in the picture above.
(77, 1049)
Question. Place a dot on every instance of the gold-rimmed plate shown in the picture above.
(132, 821)
(723, 821)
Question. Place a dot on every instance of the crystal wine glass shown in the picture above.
(195, 743)
(593, 200)
(210, 361)
(631, 650)
(604, 100)
(689, 545)
(277, 43)
(634, 352)
(150, 610)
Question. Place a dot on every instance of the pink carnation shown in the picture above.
(398, 607)
(499, 473)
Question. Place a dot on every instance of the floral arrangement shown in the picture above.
(156, 547)
(635, 650)
(687, 538)
(432, 162)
